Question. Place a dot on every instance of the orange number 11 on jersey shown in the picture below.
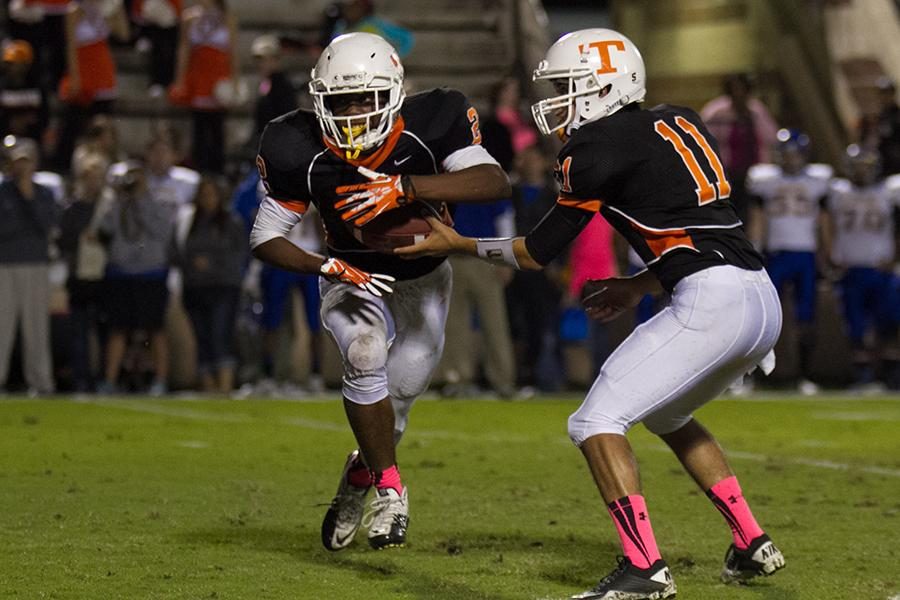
(706, 192)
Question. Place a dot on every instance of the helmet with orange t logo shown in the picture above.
(595, 71)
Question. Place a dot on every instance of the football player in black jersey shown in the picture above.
(364, 150)
(655, 175)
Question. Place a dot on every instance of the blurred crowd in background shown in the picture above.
(111, 265)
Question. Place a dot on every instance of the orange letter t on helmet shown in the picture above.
(603, 50)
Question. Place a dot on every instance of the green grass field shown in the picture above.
(140, 498)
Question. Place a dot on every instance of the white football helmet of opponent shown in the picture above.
(583, 64)
(358, 63)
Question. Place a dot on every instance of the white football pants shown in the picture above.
(721, 323)
(390, 346)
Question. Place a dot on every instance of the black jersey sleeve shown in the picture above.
(454, 124)
(586, 170)
(283, 161)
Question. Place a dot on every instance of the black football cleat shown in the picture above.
(627, 582)
(760, 558)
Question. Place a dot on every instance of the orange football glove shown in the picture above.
(365, 201)
(338, 271)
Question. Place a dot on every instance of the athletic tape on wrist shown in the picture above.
(497, 250)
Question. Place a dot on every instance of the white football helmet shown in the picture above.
(357, 63)
(589, 60)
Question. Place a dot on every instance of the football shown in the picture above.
(401, 227)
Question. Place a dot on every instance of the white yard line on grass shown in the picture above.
(496, 437)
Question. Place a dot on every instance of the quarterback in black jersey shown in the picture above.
(656, 176)
(364, 150)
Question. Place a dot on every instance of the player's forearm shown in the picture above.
(481, 183)
(281, 253)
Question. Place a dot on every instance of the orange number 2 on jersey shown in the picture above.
(706, 193)
(473, 119)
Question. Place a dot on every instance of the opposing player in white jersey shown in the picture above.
(865, 219)
(786, 223)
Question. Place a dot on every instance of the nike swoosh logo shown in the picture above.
(340, 541)
(397, 163)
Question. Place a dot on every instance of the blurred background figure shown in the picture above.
(100, 137)
(42, 23)
(592, 256)
(479, 298)
(360, 15)
(275, 95)
(211, 251)
(207, 61)
(533, 297)
(28, 217)
(788, 224)
(167, 182)
(85, 258)
(23, 102)
(882, 133)
(89, 86)
(506, 111)
(745, 130)
(864, 223)
(138, 233)
(158, 21)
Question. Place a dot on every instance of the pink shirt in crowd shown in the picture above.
(592, 255)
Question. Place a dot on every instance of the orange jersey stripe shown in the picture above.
(298, 206)
(588, 205)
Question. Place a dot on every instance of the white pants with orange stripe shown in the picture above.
(390, 346)
(721, 323)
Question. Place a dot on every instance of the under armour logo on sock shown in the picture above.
(732, 499)
(642, 516)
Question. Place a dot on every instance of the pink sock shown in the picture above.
(727, 497)
(358, 475)
(633, 525)
(389, 478)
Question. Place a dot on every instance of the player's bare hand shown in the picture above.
(362, 202)
(606, 299)
(334, 269)
(442, 241)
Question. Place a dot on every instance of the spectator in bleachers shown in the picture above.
(100, 137)
(138, 233)
(23, 102)
(359, 15)
(787, 224)
(166, 181)
(864, 225)
(208, 70)
(28, 216)
(506, 109)
(89, 87)
(86, 261)
(533, 297)
(158, 20)
(276, 94)
(211, 251)
(883, 131)
(745, 131)
(42, 24)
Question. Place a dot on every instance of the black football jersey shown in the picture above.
(299, 167)
(656, 176)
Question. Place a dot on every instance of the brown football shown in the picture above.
(401, 227)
